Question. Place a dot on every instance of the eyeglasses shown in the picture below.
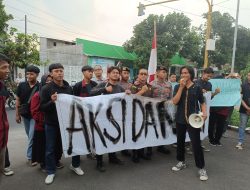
(143, 73)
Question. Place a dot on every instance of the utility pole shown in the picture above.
(235, 36)
(25, 39)
(208, 31)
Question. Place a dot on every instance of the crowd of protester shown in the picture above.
(35, 107)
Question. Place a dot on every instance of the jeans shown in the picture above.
(29, 125)
(243, 123)
(194, 135)
(54, 149)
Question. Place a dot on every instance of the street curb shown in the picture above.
(235, 128)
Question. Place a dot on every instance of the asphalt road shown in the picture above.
(227, 167)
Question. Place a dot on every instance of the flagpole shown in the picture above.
(153, 57)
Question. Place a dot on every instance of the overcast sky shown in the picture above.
(109, 21)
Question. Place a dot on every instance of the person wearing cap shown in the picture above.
(25, 91)
(124, 82)
(98, 74)
(163, 90)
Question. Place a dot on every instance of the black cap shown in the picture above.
(87, 68)
(125, 69)
(160, 67)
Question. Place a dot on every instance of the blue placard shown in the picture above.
(230, 92)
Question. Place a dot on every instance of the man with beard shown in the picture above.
(25, 92)
(109, 87)
(126, 85)
(124, 82)
(142, 88)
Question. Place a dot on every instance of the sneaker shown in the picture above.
(59, 165)
(239, 146)
(212, 143)
(203, 175)
(8, 172)
(49, 179)
(77, 170)
(205, 149)
(33, 164)
(179, 166)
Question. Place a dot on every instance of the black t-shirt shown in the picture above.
(206, 85)
(82, 89)
(195, 96)
(46, 104)
(101, 89)
(245, 96)
(24, 91)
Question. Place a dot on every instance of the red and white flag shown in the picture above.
(153, 58)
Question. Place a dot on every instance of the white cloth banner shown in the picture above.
(110, 123)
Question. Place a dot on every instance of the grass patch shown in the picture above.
(235, 119)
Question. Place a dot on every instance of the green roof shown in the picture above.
(177, 60)
(97, 49)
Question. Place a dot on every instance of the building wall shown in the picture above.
(105, 63)
(69, 55)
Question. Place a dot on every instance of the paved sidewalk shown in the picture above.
(228, 169)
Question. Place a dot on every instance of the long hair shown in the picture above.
(190, 71)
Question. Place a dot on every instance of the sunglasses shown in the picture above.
(143, 73)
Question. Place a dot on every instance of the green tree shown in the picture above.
(223, 32)
(22, 49)
(174, 33)
(4, 18)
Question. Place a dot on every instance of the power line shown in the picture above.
(41, 10)
(221, 2)
(179, 10)
(49, 21)
(61, 26)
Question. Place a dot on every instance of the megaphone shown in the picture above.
(196, 120)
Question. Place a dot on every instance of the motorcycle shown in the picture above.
(11, 101)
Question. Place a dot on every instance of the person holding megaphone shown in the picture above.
(187, 96)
